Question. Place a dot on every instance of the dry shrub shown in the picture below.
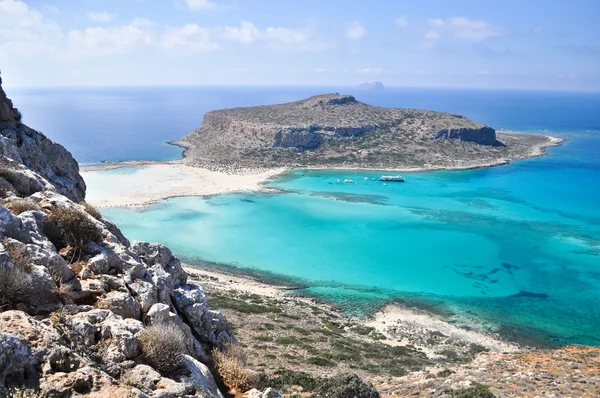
(23, 392)
(91, 210)
(15, 287)
(18, 255)
(230, 364)
(62, 289)
(163, 347)
(75, 227)
(18, 206)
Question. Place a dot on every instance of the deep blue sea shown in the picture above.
(514, 249)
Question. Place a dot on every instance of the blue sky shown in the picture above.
(527, 44)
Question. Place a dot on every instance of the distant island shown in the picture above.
(337, 131)
(373, 86)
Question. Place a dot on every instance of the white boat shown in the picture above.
(366, 178)
(347, 180)
(391, 178)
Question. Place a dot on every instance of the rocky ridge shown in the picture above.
(30, 148)
(83, 311)
(336, 130)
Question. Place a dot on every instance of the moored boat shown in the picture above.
(391, 178)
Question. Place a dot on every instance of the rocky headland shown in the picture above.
(337, 131)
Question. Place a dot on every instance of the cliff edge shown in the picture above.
(28, 147)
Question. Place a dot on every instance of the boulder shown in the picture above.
(201, 379)
(121, 303)
(17, 362)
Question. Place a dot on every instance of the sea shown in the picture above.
(512, 249)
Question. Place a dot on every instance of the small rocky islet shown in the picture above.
(337, 131)
(86, 312)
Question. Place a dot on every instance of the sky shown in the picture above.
(488, 44)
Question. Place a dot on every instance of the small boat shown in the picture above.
(347, 180)
(391, 178)
(339, 180)
(366, 178)
(384, 184)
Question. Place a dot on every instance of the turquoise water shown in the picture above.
(462, 242)
(517, 245)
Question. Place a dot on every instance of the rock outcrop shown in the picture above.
(40, 155)
(371, 86)
(336, 130)
(83, 310)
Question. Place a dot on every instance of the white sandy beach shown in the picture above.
(142, 183)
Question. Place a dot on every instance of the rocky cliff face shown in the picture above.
(32, 149)
(83, 311)
(336, 130)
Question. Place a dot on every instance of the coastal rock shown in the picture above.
(372, 86)
(335, 130)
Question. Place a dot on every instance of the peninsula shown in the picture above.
(337, 131)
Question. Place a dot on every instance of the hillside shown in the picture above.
(337, 131)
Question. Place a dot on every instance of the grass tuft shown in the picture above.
(163, 347)
(230, 364)
(18, 206)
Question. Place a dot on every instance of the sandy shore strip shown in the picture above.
(143, 183)
(401, 325)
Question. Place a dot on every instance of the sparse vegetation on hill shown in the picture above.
(335, 130)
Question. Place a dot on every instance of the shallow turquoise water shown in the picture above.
(518, 245)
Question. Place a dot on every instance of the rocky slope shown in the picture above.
(40, 155)
(83, 311)
(336, 130)
(568, 372)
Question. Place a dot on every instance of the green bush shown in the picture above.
(321, 362)
(475, 391)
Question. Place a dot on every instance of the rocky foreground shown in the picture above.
(83, 311)
(337, 131)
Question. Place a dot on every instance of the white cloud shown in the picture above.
(355, 31)
(101, 16)
(247, 33)
(370, 71)
(464, 29)
(278, 38)
(538, 30)
(190, 38)
(402, 21)
(25, 32)
(483, 72)
(112, 40)
(201, 5)
(432, 35)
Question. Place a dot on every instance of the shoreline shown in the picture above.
(160, 180)
(397, 324)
